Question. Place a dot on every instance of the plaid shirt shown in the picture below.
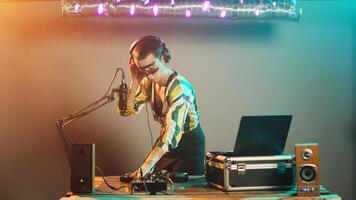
(178, 113)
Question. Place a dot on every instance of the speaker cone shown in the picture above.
(308, 173)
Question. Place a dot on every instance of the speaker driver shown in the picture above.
(307, 154)
(308, 173)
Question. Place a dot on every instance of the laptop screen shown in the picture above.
(262, 135)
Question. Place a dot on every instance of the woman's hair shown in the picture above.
(145, 48)
(150, 44)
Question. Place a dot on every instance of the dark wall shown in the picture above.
(52, 66)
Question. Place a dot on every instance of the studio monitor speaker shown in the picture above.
(307, 169)
(82, 168)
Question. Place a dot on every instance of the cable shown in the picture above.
(68, 136)
(144, 184)
(143, 180)
(113, 78)
(61, 123)
(91, 108)
(132, 190)
(110, 186)
(149, 126)
(107, 92)
(167, 179)
(103, 176)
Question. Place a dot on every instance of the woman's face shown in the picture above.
(151, 66)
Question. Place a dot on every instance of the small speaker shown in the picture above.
(307, 169)
(82, 168)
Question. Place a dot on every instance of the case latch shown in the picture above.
(241, 168)
(281, 167)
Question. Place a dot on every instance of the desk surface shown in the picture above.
(194, 189)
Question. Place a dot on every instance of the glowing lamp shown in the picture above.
(206, 5)
(223, 14)
(188, 13)
(155, 10)
(100, 9)
(132, 9)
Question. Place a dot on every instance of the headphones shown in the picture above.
(152, 38)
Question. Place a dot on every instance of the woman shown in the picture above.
(181, 144)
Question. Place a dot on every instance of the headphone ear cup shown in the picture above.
(166, 55)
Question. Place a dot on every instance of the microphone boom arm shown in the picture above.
(62, 122)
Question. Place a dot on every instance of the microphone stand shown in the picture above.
(62, 122)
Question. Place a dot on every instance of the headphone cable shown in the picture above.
(149, 125)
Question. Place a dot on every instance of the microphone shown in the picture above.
(123, 93)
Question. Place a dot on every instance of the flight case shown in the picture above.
(233, 173)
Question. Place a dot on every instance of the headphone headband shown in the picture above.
(154, 38)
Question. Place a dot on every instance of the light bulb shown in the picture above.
(274, 4)
(100, 9)
(206, 5)
(223, 14)
(76, 7)
(132, 9)
(155, 10)
(257, 12)
(188, 13)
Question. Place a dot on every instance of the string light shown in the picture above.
(206, 5)
(274, 4)
(188, 13)
(76, 7)
(223, 14)
(132, 9)
(100, 9)
(240, 10)
(257, 11)
(155, 10)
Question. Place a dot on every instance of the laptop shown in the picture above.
(262, 135)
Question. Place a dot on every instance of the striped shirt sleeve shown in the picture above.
(141, 98)
(178, 99)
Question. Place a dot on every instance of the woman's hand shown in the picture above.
(134, 175)
(135, 74)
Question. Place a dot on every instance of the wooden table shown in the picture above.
(194, 189)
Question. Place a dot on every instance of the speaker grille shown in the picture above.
(308, 173)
